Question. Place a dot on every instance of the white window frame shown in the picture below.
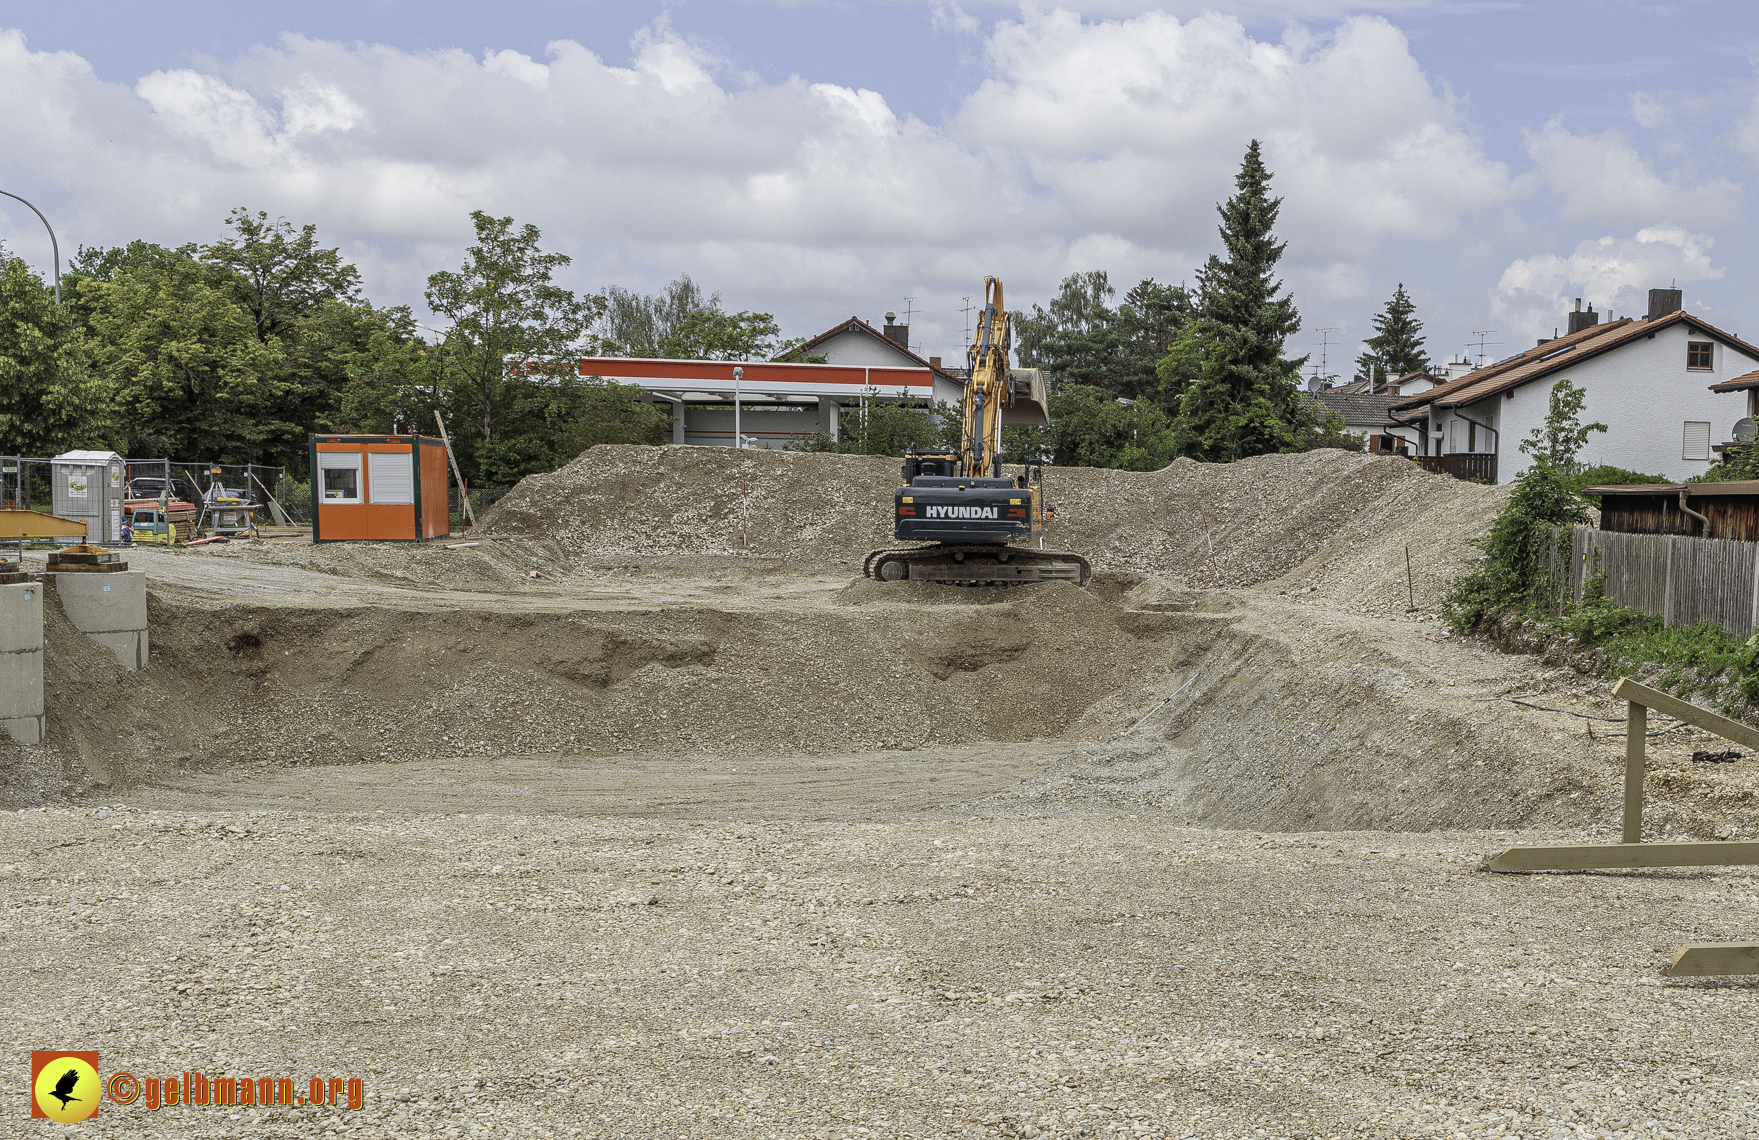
(1687, 442)
(381, 466)
(341, 461)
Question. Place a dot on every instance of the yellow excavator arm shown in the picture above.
(987, 391)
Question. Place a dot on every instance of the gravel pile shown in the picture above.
(1329, 523)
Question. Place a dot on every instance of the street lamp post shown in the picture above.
(53, 244)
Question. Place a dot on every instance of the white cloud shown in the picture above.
(1613, 274)
(1603, 180)
(1132, 124)
(1091, 144)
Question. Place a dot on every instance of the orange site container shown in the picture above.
(379, 488)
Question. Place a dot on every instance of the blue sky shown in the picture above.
(822, 159)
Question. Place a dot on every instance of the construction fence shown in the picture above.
(1682, 580)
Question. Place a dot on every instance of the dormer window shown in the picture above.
(1700, 355)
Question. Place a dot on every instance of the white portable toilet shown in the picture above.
(89, 486)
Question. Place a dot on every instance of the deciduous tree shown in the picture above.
(50, 400)
(512, 331)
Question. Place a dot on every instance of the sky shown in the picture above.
(818, 159)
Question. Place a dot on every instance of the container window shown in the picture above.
(390, 477)
(341, 477)
(1697, 439)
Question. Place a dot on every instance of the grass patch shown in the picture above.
(1684, 656)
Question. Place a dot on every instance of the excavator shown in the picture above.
(975, 525)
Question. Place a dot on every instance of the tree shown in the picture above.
(1080, 339)
(278, 273)
(1395, 349)
(1561, 438)
(635, 325)
(150, 311)
(512, 331)
(395, 382)
(1072, 339)
(714, 335)
(50, 400)
(189, 375)
(1149, 320)
(1241, 398)
(1092, 428)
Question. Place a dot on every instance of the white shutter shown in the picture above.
(339, 476)
(390, 477)
(1697, 439)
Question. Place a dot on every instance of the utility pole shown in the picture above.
(53, 244)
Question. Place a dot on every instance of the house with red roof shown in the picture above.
(1668, 386)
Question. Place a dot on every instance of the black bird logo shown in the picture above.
(64, 1087)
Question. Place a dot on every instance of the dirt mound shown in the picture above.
(1331, 523)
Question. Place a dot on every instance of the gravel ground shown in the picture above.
(679, 840)
(546, 975)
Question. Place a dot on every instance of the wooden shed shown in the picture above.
(1702, 510)
(379, 488)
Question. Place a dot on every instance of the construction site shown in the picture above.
(639, 810)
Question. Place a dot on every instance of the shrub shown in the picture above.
(1514, 573)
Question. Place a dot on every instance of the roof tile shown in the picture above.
(1554, 355)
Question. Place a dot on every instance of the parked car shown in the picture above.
(143, 487)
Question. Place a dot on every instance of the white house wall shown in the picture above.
(1644, 395)
(864, 351)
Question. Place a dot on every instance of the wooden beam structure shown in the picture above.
(1633, 852)
(1593, 856)
(1710, 958)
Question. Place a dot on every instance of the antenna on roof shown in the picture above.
(1324, 345)
(1481, 334)
(908, 309)
(968, 310)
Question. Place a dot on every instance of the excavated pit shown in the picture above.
(1314, 700)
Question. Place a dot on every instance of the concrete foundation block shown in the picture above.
(111, 609)
(21, 661)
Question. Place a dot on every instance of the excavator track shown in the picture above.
(975, 565)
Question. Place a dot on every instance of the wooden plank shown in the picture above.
(1706, 958)
(1629, 690)
(1636, 728)
(1589, 856)
(463, 490)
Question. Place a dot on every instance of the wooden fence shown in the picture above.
(1684, 580)
(1462, 465)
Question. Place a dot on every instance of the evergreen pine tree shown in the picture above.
(1395, 349)
(1242, 399)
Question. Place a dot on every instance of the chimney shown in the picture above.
(1580, 320)
(896, 333)
(1664, 301)
(933, 361)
